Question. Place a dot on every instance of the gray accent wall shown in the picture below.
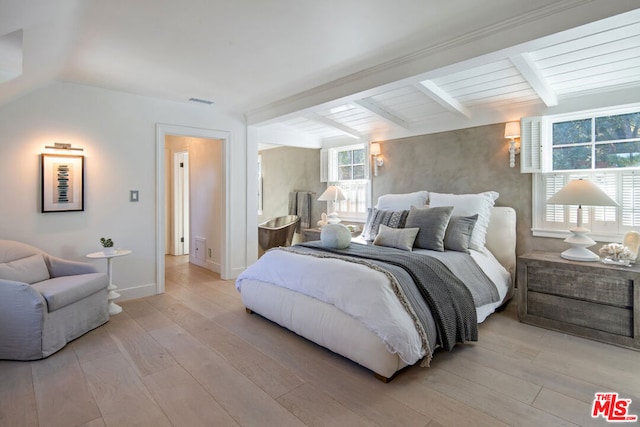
(286, 169)
(468, 160)
(462, 161)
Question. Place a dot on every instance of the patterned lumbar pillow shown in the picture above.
(376, 217)
(336, 236)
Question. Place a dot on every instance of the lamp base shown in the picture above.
(579, 243)
(579, 253)
(332, 218)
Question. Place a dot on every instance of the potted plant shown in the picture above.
(107, 244)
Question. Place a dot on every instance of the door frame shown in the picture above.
(162, 130)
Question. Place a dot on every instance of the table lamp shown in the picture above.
(332, 195)
(580, 192)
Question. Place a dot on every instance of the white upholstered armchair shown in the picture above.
(45, 301)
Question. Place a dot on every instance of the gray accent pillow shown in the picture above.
(459, 231)
(432, 223)
(27, 270)
(375, 217)
(399, 238)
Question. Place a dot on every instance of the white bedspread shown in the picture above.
(359, 291)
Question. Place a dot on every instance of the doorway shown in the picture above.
(200, 181)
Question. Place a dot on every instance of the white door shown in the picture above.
(181, 203)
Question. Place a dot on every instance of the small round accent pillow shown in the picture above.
(336, 236)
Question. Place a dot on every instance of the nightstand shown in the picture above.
(311, 234)
(588, 299)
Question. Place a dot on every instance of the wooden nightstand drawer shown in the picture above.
(600, 288)
(588, 299)
(606, 318)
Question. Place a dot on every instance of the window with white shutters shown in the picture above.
(347, 167)
(609, 223)
(630, 199)
(602, 146)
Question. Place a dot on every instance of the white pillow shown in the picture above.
(400, 202)
(28, 270)
(467, 205)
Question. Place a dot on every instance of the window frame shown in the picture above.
(547, 146)
(332, 179)
(601, 231)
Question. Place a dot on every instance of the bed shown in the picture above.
(356, 306)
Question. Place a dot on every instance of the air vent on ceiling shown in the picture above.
(202, 101)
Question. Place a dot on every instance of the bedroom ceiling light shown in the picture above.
(580, 192)
(331, 196)
(378, 161)
(512, 132)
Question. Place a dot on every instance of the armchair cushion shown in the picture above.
(30, 270)
(63, 267)
(62, 291)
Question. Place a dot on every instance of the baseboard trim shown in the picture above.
(136, 292)
(208, 264)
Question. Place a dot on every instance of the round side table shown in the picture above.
(113, 307)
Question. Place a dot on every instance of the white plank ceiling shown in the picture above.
(583, 63)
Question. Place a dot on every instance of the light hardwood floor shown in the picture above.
(193, 356)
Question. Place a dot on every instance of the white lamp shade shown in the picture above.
(332, 194)
(512, 130)
(581, 192)
(374, 149)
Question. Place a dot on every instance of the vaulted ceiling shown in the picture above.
(322, 71)
(595, 65)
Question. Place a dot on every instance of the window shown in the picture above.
(598, 142)
(602, 146)
(347, 167)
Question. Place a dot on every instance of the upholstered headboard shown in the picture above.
(501, 237)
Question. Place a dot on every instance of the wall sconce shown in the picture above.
(378, 161)
(62, 146)
(512, 132)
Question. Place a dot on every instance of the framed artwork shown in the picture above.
(62, 183)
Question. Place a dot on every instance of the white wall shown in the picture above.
(118, 134)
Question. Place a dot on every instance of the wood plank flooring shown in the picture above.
(193, 356)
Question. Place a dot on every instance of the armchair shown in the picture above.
(45, 301)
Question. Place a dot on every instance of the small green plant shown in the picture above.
(106, 243)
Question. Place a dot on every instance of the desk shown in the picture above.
(113, 307)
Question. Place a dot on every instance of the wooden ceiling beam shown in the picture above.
(332, 123)
(382, 113)
(534, 77)
(442, 97)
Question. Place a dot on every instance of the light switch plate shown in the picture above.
(133, 196)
